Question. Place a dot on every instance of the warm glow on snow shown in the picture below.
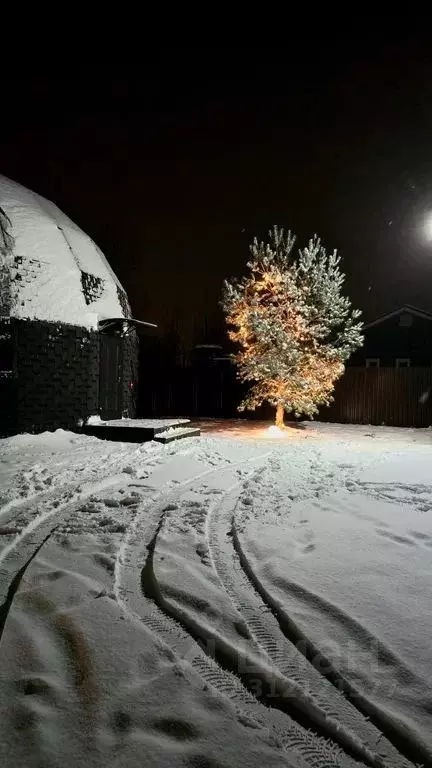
(275, 431)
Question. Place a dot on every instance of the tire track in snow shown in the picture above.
(270, 642)
(320, 752)
(15, 583)
(21, 551)
(268, 686)
(397, 733)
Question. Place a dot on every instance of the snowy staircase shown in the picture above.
(140, 430)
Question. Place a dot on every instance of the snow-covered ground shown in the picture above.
(236, 599)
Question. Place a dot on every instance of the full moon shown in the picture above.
(428, 227)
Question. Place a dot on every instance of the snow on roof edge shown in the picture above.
(406, 308)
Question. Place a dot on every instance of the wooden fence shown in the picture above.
(399, 397)
(393, 396)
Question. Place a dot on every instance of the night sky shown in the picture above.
(174, 172)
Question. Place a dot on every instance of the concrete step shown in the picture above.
(177, 433)
(132, 430)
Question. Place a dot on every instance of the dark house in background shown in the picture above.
(68, 343)
(389, 380)
(400, 339)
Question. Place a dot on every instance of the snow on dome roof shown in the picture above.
(49, 268)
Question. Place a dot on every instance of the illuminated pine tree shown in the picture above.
(293, 327)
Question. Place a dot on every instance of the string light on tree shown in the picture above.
(293, 327)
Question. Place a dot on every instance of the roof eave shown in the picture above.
(108, 322)
(406, 308)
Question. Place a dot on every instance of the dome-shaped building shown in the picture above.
(68, 346)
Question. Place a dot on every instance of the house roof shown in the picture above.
(405, 309)
(49, 268)
(113, 322)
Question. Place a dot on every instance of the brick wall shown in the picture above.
(8, 389)
(124, 303)
(5, 287)
(23, 272)
(54, 377)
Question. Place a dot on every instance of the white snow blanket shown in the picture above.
(50, 252)
(230, 600)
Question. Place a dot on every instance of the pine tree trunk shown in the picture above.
(280, 413)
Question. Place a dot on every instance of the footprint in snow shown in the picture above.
(202, 549)
(309, 548)
(105, 561)
(396, 538)
(180, 730)
(6, 531)
(121, 721)
(129, 501)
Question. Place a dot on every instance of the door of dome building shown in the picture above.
(110, 376)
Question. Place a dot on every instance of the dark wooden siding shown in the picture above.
(400, 397)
